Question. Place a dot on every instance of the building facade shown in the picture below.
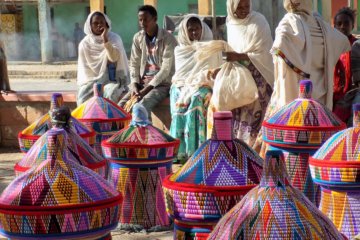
(43, 30)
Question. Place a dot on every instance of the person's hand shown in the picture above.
(104, 34)
(215, 72)
(234, 56)
(135, 90)
(144, 91)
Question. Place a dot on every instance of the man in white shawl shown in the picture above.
(102, 59)
(249, 36)
(305, 47)
(190, 92)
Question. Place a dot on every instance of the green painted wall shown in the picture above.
(66, 15)
(123, 15)
(31, 40)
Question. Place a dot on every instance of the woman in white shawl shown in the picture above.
(249, 36)
(191, 90)
(305, 47)
(102, 59)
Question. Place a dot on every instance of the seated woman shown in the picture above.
(102, 59)
(344, 21)
(190, 92)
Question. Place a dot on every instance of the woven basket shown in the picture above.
(76, 147)
(299, 129)
(336, 168)
(32, 133)
(102, 115)
(140, 157)
(212, 181)
(59, 199)
(275, 210)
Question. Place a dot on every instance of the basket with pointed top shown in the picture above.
(33, 132)
(336, 168)
(211, 182)
(59, 199)
(102, 115)
(140, 157)
(299, 129)
(275, 210)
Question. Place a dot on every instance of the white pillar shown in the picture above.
(45, 33)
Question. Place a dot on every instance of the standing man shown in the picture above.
(151, 63)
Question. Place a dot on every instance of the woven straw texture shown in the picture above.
(102, 115)
(212, 181)
(34, 131)
(275, 210)
(59, 199)
(336, 168)
(76, 147)
(299, 129)
(140, 158)
(303, 123)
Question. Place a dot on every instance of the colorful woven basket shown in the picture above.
(77, 148)
(212, 181)
(298, 129)
(102, 115)
(336, 168)
(32, 133)
(140, 158)
(275, 210)
(59, 199)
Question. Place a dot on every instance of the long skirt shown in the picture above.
(189, 120)
(248, 119)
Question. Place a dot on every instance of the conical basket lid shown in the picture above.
(77, 148)
(140, 141)
(275, 210)
(100, 109)
(221, 161)
(59, 198)
(302, 123)
(29, 135)
(337, 163)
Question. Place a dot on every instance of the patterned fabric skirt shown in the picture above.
(189, 120)
(248, 118)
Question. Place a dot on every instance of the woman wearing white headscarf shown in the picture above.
(102, 59)
(249, 36)
(305, 47)
(191, 90)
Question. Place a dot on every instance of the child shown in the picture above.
(344, 22)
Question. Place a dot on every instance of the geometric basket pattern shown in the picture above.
(336, 168)
(275, 210)
(59, 199)
(33, 132)
(102, 115)
(77, 148)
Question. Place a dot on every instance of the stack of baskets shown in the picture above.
(140, 157)
(298, 130)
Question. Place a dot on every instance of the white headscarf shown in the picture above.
(252, 36)
(190, 73)
(292, 6)
(183, 36)
(93, 58)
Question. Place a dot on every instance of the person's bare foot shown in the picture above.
(6, 92)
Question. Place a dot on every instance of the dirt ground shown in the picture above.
(8, 158)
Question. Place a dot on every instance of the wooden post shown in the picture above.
(151, 2)
(97, 5)
(44, 29)
(204, 7)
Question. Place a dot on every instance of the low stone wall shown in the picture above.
(19, 110)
